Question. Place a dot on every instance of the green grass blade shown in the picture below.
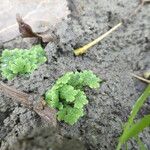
(126, 146)
(141, 144)
(137, 128)
(139, 103)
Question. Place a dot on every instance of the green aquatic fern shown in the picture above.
(21, 61)
(67, 95)
(80, 100)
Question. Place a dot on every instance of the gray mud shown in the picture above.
(126, 51)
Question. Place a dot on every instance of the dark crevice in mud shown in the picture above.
(109, 15)
(75, 9)
(68, 137)
(16, 133)
(54, 59)
(4, 115)
(78, 69)
(18, 120)
(3, 132)
(59, 52)
(31, 91)
(45, 78)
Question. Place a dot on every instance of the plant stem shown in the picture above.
(27, 100)
(140, 78)
(83, 49)
(87, 46)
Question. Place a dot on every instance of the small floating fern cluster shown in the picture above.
(21, 61)
(68, 97)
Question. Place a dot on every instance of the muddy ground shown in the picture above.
(126, 51)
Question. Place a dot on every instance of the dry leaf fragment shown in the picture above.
(145, 1)
(41, 15)
(27, 32)
(25, 29)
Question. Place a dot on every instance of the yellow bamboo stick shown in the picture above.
(83, 49)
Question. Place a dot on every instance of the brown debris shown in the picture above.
(145, 1)
(27, 100)
(27, 32)
(25, 29)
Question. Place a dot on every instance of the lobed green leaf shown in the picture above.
(67, 95)
(72, 115)
(64, 79)
(90, 79)
(52, 98)
(80, 100)
(21, 61)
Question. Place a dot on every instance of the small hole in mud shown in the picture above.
(105, 146)
(54, 58)
(19, 105)
(146, 40)
(45, 78)
(46, 62)
(83, 56)
(109, 14)
(18, 120)
(68, 137)
(104, 80)
(59, 51)
(4, 80)
(16, 133)
(45, 137)
(79, 70)
(30, 91)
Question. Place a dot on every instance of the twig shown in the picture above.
(86, 47)
(38, 106)
(140, 78)
(83, 49)
(22, 97)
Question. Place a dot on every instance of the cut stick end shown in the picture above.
(83, 49)
(80, 51)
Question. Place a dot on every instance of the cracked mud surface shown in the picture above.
(126, 51)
